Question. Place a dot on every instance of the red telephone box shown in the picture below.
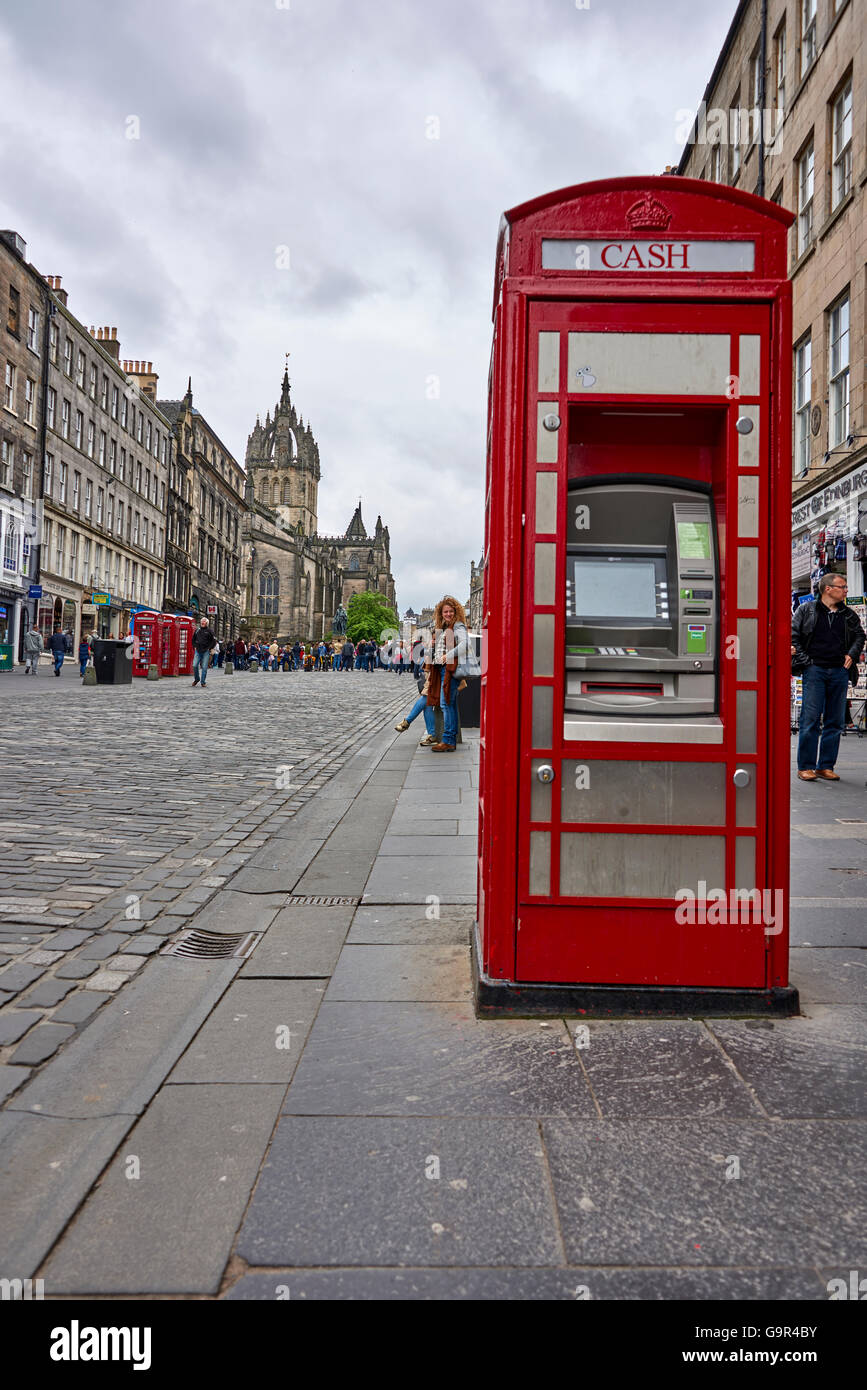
(185, 629)
(634, 784)
(147, 649)
(169, 645)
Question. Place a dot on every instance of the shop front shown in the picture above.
(59, 607)
(11, 626)
(829, 535)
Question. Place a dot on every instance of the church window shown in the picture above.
(269, 590)
(275, 494)
(353, 563)
(285, 494)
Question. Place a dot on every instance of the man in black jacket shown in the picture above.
(204, 643)
(827, 639)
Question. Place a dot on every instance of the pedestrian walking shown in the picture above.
(33, 648)
(83, 654)
(827, 639)
(449, 647)
(57, 647)
(204, 642)
(346, 655)
(240, 653)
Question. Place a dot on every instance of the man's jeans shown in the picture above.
(58, 660)
(201, 661)
(824, 693)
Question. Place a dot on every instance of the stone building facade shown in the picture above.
(24, 306)
(785, 116)
(294, 578)
(475, 607)
(205, 521)
(105, 471)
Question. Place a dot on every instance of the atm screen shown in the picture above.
(614, 587)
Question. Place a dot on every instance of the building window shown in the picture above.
(806, 172)
(109, 513)
(61, 489)
(841, 145)
(147, 491)
(91, 438)
(100, 500)
(103, 396)
(29, 400)
(76, 491)
(148, 437)
(27, 475)
(33, 330)
(67, 357)
(10, 546)
(114, 399)
(65, 411)
(94, 380)
(85, 562)
(52, 407)
(60, 547)
(808, 34)
(136, 530)
(79, 375)
(124, 413)
(112, 457)
(138, 477)
(88, 498)
(140, 426)
(73, 555)
(735, 131)
(79, 429)
(9, 397)
(53, 342)
(13, 315)
(47, 472)
(122, 470)
(839, 371)
(7, 457)
(269, 590)
(103, 440)
(213, 508)
(120, 518)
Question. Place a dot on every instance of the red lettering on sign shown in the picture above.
(634, 258)
(681, 250)
(655, 255)
(612, 246)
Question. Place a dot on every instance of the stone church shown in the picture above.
(294, 579)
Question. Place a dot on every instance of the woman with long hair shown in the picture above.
(449, 643)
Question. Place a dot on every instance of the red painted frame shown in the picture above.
(758, 301)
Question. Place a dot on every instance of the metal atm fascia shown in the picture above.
(649, 544)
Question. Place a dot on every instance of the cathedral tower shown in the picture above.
(282, 462)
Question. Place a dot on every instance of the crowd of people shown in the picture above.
(336, 655)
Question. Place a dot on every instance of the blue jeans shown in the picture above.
(824, 693)
(450, 722)
(83, 664)
(421, 706)
(201, 661)
(58, 660)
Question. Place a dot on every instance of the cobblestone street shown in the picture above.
(125, 810)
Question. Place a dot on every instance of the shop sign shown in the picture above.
(801, 553)
(212, 608)
(88, 608)
(831, 496)
(35, 591)
(101, 600)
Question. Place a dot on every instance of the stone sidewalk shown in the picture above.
(327, 1119)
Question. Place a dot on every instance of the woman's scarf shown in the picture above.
(437, 673)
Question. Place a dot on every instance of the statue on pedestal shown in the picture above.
(340, 621)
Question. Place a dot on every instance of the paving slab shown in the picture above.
(171, 1230)
(436, 1059)
(828, 922)
(424, 796)
(420, 845)
(17, 977)
(490, 1204)
(46, 993)
(47, 1167)
(15, 1022)
(301, 941)
(118, 1062)
(829, 975)
(655, 1192)
(265, 882)
(396, 973)
(665, 1069)
(409, 879)
(811, 1066)
(529, 1285)
(230, 912)
(81, 1007)
(255, 1034)
(409, 924)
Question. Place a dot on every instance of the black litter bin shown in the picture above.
(112, 661)
(470, 704)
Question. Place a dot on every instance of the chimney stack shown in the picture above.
(53, 283)
(144, 376)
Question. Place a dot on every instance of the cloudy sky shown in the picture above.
(326, 177)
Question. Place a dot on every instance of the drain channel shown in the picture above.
(206, 945)
(322, 902)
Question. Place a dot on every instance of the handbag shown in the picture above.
(468, 666)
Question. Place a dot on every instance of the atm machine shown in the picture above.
(642, 616)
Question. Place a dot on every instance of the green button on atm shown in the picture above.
(696, 639)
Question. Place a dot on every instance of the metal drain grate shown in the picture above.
(206, 945)
(323, 902)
